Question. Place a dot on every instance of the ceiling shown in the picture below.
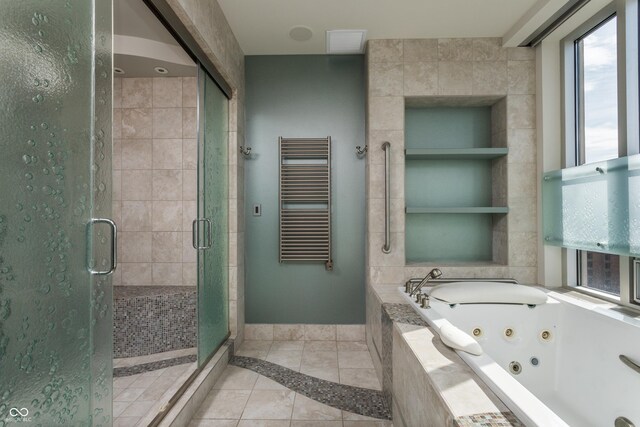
(262, 27)
(142, 43)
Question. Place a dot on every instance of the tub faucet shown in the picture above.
(433, 274)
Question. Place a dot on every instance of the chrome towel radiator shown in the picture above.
(305, 199)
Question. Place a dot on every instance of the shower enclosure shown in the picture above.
(58, 244)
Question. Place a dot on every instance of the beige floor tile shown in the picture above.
(352, 346)
(124, 382)
(138, 408)
(143, 382)
(354, 359)
(256, 345)
(157, 388)
(129, 395)
(319, 359)
(328, 374)
(235, 378)
(265, 383)
(308, 409)
(297, 423)
(256, 354)
(320, 345)
(287, 345)
(367, 423)
(288, 358)
(223, 404)
(119, 407)
(203, 422)
(125, 421)
(117, 391)
(263, 423)
(269, 405)
(177, 370)
(154, 373)
(350, 416)
(365, 378)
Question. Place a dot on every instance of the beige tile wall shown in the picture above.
(154, 167)
(452, 69)
(207, 24)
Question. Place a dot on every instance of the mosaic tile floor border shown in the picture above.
(488, 419)
(362, 401)
(125, 371)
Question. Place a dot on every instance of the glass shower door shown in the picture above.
(212, 226)
(55, 150)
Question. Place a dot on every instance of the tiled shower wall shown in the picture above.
(154, 179)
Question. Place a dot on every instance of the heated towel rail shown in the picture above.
(305, 199)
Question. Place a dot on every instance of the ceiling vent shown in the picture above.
(346, 41)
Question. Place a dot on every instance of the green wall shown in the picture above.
(305, 96)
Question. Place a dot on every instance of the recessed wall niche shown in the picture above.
(456, 180)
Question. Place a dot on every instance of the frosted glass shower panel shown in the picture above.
(55, 177)
(590, 207)
(213, 263)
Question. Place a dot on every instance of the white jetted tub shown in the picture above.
(555, 363)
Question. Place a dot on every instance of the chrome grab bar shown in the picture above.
(386, 248)
(114, 246)
(630, 363)
(195, 234)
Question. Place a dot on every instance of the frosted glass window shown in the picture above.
(597, 101)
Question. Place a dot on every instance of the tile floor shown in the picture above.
(135, 395)
(243, 398)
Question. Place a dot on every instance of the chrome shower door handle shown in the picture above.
(195, 234)
(114, 246)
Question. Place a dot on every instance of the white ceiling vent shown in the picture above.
(346, 41)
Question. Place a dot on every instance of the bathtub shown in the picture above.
(569, 371)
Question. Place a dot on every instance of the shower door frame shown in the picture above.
(167, 16)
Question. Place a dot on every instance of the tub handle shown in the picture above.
(114, 246)
(195, 237)
(630, 363)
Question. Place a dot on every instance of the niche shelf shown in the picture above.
(455, 183)
(460, 210)
(454, 153)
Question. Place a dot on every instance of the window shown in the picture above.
(601, 108)
(636, 280)
(596, 107)
(597, 93)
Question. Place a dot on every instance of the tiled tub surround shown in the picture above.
(153, 319)
(154, 180)
(429, 383)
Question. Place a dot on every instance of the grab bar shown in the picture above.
(630, 363)
(386, 248)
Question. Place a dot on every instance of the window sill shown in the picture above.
(605, 300)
